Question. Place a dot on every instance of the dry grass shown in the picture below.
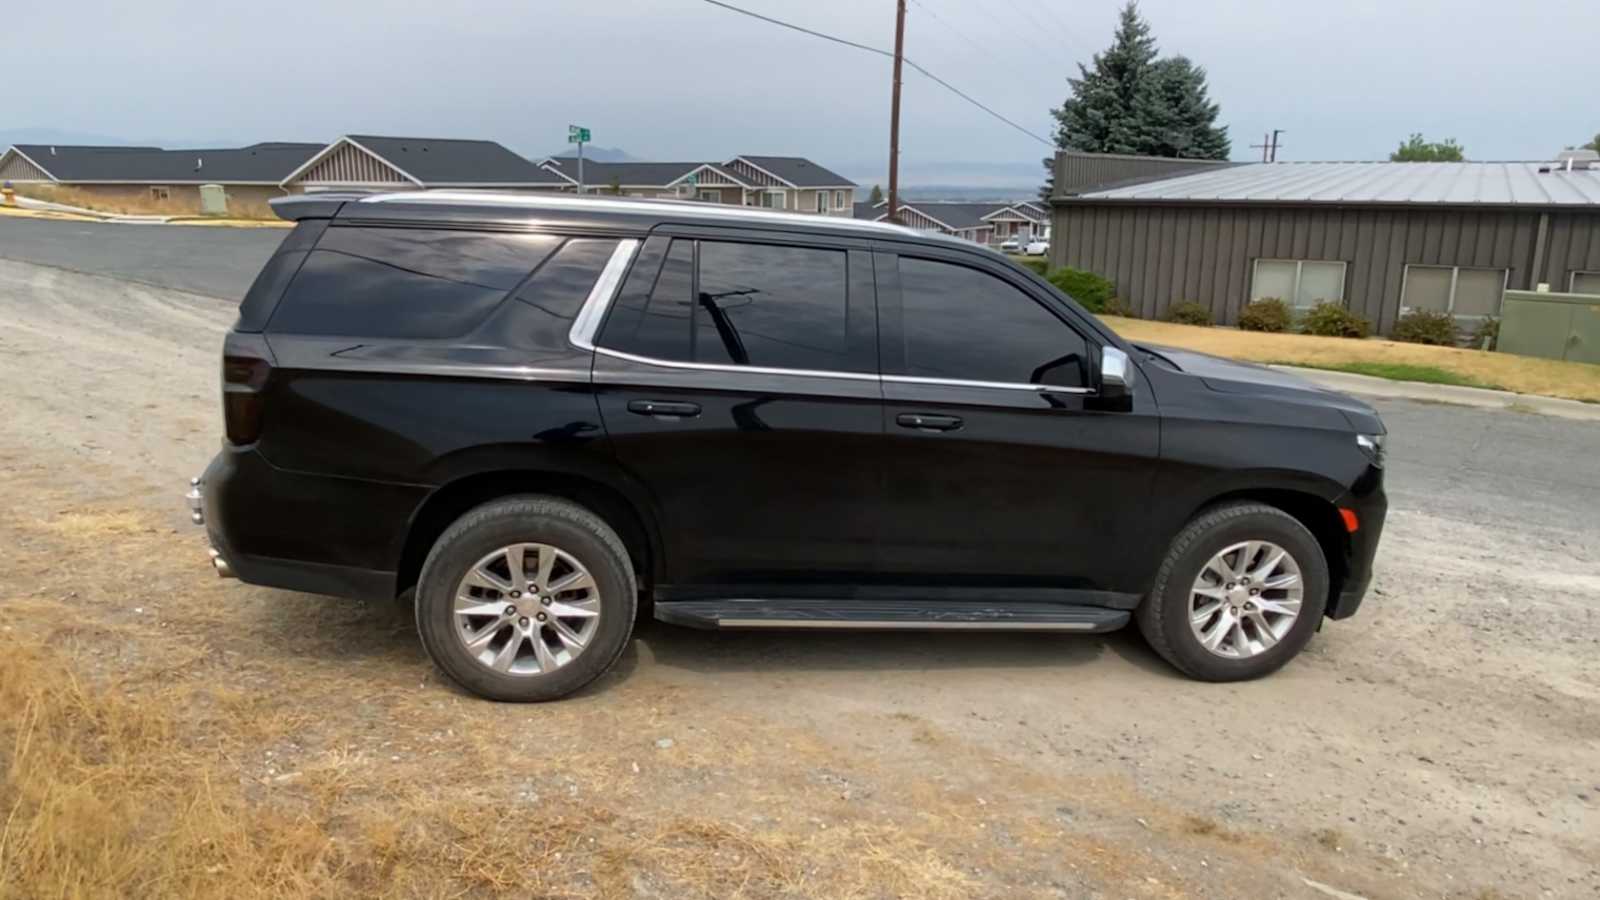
(1523, 374)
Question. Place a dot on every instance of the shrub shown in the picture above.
(1087, 288)
(1117, 306)
(1266, 314)
(1188, 312)
(1487, 335)
(1036, 263)
(1422, 326)
(1333, 320)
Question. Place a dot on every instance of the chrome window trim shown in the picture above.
(586, 323)
(847, 376)
(1002, 385)
(721, 367)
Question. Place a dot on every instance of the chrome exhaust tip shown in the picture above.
(221, 565)
(197, 513)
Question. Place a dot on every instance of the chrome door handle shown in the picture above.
(926, 422)
(664, 408)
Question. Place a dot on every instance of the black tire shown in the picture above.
(1163, 617)
(530, 519)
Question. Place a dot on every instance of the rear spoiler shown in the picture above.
(322, 205)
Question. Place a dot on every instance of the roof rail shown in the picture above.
(697, 209)
(320, 205)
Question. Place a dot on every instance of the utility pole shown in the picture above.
(1269, 145)
(894, 111)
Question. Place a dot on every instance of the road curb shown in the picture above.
(1481, 398)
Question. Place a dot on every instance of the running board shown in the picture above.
(898, 615)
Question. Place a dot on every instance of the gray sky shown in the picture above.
(674, 79)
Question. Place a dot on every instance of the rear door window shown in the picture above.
(965, 324)
(405, 282)
(743, 304)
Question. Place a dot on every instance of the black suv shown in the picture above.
(539, 412)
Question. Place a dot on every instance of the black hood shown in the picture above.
(1230, 376)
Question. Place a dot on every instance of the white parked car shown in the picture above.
(1037, 247)
(1012, 244)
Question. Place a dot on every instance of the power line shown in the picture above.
(839, 40)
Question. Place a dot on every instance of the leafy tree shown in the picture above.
(1129, 101)
(1415, 149)
(876, 196)
(1594, 144)
(615, 186)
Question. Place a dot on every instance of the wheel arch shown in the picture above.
(1320, 517)
(450, 501)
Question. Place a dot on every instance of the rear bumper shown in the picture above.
(312, 533)
(1371, 506)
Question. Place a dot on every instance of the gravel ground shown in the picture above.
(1444, 743)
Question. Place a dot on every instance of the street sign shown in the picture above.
(577, 135)
(693, 179)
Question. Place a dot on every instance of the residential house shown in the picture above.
(981, 223)
(371, 162)
(773, 182)
(150, 179)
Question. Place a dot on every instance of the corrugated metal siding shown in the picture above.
(17, 168)
(1158, 255)
(1078, 172)
(351, 165)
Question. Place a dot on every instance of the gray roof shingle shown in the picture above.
(439, 161)
(266, 163)
(1444, 183)
(799, 171)
(635, 174)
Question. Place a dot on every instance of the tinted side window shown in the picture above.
(771, 306)
(405, 282)
(556, 292)
(650, 317)
(967, 324)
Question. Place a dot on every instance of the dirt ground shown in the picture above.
(167, 733)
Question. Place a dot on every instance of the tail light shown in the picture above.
(246, 365)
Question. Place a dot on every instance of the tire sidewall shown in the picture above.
(482, 532)
(1174, 594)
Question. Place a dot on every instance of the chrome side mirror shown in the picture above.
(1116, 380)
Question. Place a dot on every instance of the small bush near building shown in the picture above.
(1266, 314)
(1036, 263)
(1487, 335)
(1117, 306)
(1424, 326)
(1087, 288)
(1189, 312)
(1333, 320)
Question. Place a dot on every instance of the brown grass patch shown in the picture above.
(80, 525)
(1523, 374)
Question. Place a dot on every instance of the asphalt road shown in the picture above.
(202, 259)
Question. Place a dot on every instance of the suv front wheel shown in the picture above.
(1239, 594)
(526, 598)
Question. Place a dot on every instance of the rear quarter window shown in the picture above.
(405, 282)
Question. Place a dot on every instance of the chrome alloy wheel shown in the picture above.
(1245, 599)
(527, 609)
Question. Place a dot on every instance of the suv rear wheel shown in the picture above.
(1238, 595)
(526, 598)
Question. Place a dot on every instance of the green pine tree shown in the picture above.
(1129, 101)
(1176, 116)
(876, 196)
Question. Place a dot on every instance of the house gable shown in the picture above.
(16, 166)
(347, 162)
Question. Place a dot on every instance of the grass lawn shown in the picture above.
(1385, 359)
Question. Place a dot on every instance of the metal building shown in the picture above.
(1378, 237)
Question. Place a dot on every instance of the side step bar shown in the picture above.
(906, 615)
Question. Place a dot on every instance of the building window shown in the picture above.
(160, 193)
(709, 195)
(1462, 292)
(773, 200)
(1301, 283)
(838, 200)
(822, 201)
(1585, 283)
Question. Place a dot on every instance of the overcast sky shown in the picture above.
(682, 79)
